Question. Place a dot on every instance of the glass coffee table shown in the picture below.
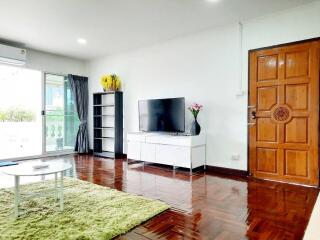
(27, 169)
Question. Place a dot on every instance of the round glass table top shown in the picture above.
(28, 169)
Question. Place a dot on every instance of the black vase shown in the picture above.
(195, 128)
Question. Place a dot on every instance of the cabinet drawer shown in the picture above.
(173, 155)
(134, 150)
(148, 152)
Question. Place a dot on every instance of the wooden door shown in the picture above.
(284, 113)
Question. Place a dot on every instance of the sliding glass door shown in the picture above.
(37, 114)
(61, 120)
(20, 112)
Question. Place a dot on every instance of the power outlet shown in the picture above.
(235, 157)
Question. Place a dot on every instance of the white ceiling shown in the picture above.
(112, 26)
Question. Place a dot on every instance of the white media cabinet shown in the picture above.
(176, 150)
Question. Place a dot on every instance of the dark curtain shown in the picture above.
(79, 88)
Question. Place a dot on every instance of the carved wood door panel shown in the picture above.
(284, 113)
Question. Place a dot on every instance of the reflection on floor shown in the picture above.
(204, 206)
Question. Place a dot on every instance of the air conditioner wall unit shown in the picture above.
(12, 55)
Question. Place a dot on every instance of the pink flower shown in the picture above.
(196, 107)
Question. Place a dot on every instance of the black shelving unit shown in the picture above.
(108, 124)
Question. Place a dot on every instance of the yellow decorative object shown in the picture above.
(110, 82)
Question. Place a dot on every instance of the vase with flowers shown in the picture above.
(195, 108)
(110, 82)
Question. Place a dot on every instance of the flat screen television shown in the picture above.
(162, 115)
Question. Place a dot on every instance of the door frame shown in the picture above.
(248, 102)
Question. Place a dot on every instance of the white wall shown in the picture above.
(201, 68)
(54, 63)
(204, 68)
(284, 27)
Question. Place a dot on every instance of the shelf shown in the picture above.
(104, 93)
(110, 119)
(103, 105)
(104, 138)
(104, 154)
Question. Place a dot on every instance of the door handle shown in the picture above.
(254, 115)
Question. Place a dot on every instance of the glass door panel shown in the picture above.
(61, 120)
(20, 112)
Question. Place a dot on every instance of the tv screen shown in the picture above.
(162, 115)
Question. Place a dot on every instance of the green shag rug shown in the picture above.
(91, 212)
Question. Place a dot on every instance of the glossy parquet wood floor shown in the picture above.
(206, 205)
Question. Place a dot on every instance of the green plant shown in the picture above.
(17, 115)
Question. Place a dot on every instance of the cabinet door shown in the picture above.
(148, 152)
(134, 150)
(173, 155)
